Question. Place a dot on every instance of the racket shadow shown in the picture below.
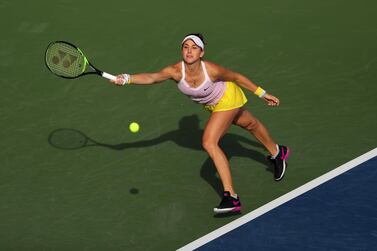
(188, 135)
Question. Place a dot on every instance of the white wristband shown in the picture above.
(127, 79)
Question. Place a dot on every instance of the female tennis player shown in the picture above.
(218, 90)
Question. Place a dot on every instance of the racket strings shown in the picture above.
(65, 60)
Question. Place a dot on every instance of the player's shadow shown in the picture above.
(188, 135)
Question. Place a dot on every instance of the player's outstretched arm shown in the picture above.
(145, 78)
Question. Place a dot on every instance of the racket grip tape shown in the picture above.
(108, 76)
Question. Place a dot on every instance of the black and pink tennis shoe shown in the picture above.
(228, 204)
(280, 162)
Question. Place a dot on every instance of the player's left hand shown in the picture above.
(271, 100)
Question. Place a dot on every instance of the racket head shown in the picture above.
(65, 59)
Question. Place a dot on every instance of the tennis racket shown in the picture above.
(68, 61)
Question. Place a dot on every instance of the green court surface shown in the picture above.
(155, 190)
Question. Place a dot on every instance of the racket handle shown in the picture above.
(108, 76)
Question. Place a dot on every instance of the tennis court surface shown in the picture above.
(336, 211)
(73, 177)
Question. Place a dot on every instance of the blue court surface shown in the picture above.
(337, 211)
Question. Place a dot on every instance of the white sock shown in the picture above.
(235, 196)
(277, 152)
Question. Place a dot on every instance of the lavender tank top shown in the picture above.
(208, 93)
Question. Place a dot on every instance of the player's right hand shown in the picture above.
(119, 80)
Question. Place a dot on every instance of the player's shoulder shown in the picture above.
(177, 66)
(174, 70)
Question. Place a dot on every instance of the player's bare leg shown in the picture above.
(216, 127)
(250, 123)
(279, 153)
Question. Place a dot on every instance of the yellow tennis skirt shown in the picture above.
(233, 98)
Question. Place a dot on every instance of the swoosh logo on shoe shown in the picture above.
(285, 155)
(235, 203)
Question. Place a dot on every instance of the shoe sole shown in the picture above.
(285, 165)
(282, 174)
(227, 210)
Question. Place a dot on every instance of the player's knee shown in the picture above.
(209, 145)
(252, 125)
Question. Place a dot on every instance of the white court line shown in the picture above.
(279, 201)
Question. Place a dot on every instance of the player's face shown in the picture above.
(191, 52)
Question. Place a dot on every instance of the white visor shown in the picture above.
(196, 40)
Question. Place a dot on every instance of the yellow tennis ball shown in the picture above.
(134, 127)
